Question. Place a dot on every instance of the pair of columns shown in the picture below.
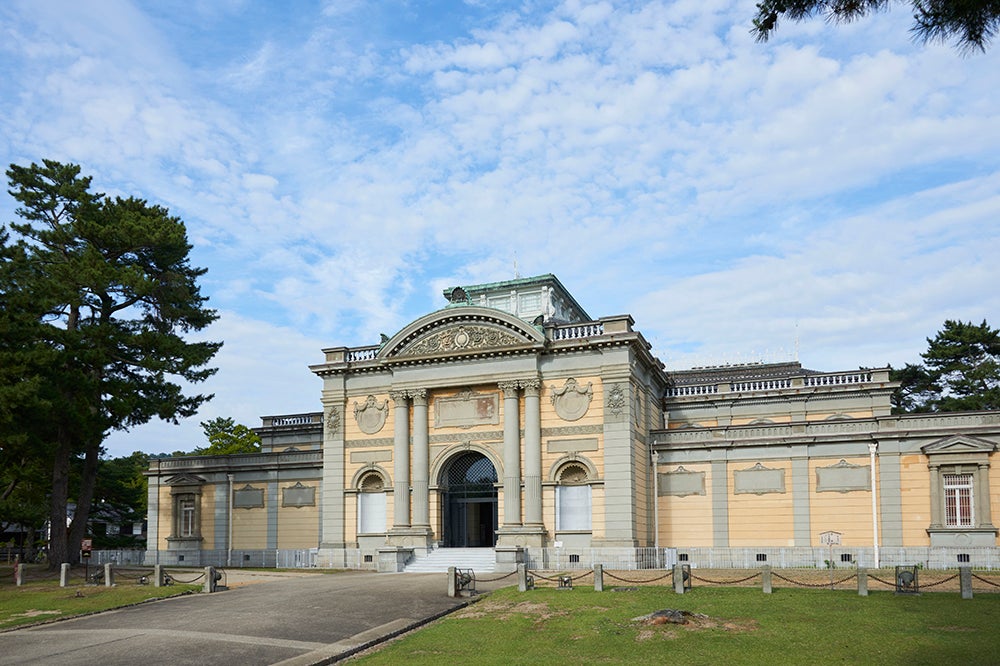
(416, 472)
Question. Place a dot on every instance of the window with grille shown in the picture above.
(188, 523)
(958, 500)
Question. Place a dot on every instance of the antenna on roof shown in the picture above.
(796, 340)
(517, 274)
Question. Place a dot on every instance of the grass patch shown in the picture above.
(43, 600)
(740, 626)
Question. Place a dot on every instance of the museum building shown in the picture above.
(512, 422)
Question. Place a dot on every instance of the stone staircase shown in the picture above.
(480, 560)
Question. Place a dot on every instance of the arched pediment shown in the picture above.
(462, 331)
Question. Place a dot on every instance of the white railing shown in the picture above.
(704, 389)
(296, 419)
(578, 331)
(362, 354)
(760, 385)
(982, 557)
(838, 378)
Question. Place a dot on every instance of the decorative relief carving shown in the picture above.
(509, 388)
(467, 410)
(298, 495)
(680, 483)
(333, 420)
(758, 480)
(616, 401)
(371, 415)
(572, 401)
(842, 478)
(462, 338)
(248, 497)
(369, 443)
(572, 430)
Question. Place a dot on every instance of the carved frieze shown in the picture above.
(466, 337)
(615, 401)
(371, 415)
(572, 401)
(333, 420)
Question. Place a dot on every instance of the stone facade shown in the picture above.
(511, 419)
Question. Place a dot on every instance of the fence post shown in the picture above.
(679, 579)
(522, 577)
(452, 582)
(109, 575)
(157, 575)
(209, 585)
(19, 573)
(598, 578)
(64, 574)
(765, 578)
(965, 581)
(862, 582)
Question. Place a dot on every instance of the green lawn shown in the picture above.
(745, 626)
(42, 599)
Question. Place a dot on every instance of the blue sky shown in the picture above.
(337, 164)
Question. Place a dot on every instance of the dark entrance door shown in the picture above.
(469, 502)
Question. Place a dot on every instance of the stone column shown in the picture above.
(421, 457)
(401, 460)
(532, 454)
(511, 455)
(981, 502)
(937, 519)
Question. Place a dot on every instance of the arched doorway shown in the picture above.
(469, 502)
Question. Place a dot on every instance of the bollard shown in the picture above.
(452, 583)
(157, 575)
(64, 574)
(109, 575)
(19, 573)
(765, 578)
(679, 579)
(862, 582)
(598, 578)
(965, 581)
(522, 577)
(209, 585)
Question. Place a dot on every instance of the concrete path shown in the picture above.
(309, 619)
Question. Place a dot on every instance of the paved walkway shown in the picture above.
(293, 621)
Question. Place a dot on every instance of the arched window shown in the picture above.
(371, 504)
(573, 505)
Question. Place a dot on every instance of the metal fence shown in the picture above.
(984, 557)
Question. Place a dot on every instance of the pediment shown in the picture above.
(185, 480)
(460, 332)
(959, 444)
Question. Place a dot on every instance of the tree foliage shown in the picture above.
(972, 24)
(226, 437)
(961, 371)
(102, 295)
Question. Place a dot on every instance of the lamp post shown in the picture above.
(872, 448)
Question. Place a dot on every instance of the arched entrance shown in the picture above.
(469, 502)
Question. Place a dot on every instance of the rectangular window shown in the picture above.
(371, 513)
(186, 506)
(530, 303)
(573, 508)
(958, 500)
(500, 303)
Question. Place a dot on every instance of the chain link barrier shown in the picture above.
(940, 582)
(724, 582)
(816, 585)
(558, 578)
(646, 580)
(493, 580)
(983, 580)
(173, 578)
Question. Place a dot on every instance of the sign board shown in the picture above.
(86, 545)
(829, 538)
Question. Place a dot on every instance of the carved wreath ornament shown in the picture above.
(572, 400)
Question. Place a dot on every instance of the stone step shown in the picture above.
(441, 559)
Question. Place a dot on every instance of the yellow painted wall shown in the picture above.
(166, 516)
(298, 526)
(250, 527)
(761, 520)
(686, 521)
(915, 491)
(849, 513)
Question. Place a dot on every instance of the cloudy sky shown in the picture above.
(834, 193)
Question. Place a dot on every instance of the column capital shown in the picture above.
(509, 388)
(531, 386)
(419, 396)
(399, 397)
